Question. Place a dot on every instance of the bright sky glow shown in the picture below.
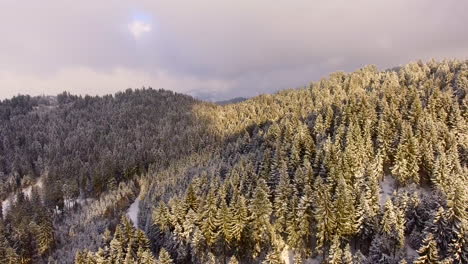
(138, 28)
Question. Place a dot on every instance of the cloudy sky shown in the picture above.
(215, 49)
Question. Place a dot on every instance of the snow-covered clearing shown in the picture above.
(26, 191)
(69, 203)
(387, 187)
(287, 255)
(410, 252)
(133, 211)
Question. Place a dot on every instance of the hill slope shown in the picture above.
(364, 167)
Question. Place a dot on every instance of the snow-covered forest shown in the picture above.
(363, 167)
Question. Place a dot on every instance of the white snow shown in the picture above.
(410, 252)
(69, 203)
(315, 260)
(26, 191)
(287, 256)
(387, 188)
(132, 212)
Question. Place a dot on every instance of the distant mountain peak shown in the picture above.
(231, 101)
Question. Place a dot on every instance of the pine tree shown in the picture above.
(191, 198)
(347, 255)
(300, 227)
(345, 210)
(162, 217)
(260, 210)
(145, 257)
(458, 249)
(101, 257)
(428, 253)
(46, 238)
(406, 167)
(189, 225)
(336, 253)
(273, 257)
(210, 222)
(233, 260)
(80, 258)
(282, 200)
(400, 226)
(224, 219)
(239, 219)
(324, 214)
(117, 253)
(389, 219)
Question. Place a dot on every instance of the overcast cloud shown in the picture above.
(212, 48)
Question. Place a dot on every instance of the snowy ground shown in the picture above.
(26, 191)
(132, 212)
(387, 187)
(410, 252)
(69, 203)
(287, 256)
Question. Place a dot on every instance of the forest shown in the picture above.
(357, 168)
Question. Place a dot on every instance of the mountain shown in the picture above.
(231, 101)
(363, 167)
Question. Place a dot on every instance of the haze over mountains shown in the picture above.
(362, 167)
(215, 48)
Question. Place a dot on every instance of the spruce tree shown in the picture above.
(428, 253)
(282, 201)
(347, 255)
(239, 219)
(260, 210)
(336, 253)
(210, 222)
(273, 257)
(324, 214)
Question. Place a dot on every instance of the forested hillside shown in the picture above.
(366, 167)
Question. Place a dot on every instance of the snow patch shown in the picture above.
(411, 253)
(287, 256)
(315, 260)
(27, 191)
(387, 187)
(132, 212)
(70, 203)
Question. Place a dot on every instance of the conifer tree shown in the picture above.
(347, 255)
(282, 201)
(46, 238)
(189, 224)
(117, 253)
(458, 249)
(101, 257)
(239, 219)
(406, 167)
(389, 219)
(164, 257)
(210, 222)
(260, 210)
(273, 257)
(145, 257)
(162, 217)
(345, 210)
(233, 260)
(336, 253)
(428, 253)
(324, 214)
